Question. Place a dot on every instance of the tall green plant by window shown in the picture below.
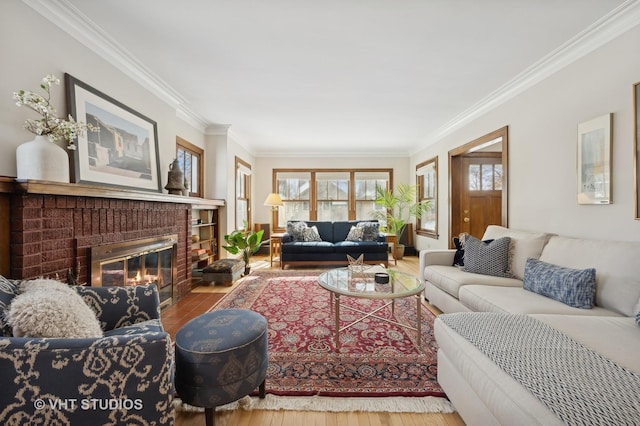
(399, 207)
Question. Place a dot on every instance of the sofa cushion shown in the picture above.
(458, 258)
(355, 234)
(121, 306)
(451, 278)
(309, 247)
(616, 264)
(486, 258)
(575, 287)
(341, 229)
(360, 247)
(458, 243)
(49, 308)
(370, 230)
(296, 230)
(325, 229)
(311, 234)
(524, 244)
(517, 300)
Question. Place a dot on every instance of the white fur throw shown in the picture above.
(50, 308)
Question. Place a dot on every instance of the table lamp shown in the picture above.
(274, 201)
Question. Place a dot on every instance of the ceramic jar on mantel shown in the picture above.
(175, 179)
(41, 159)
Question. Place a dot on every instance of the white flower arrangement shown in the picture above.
(50, 125)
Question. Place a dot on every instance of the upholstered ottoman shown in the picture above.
(223, 271)
(221, 356)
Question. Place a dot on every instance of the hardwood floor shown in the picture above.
(202, 298)
(187, 308)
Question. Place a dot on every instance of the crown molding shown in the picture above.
(217, 129)
(191, 118)
(617, 22)
(79, 26)
(230, 136)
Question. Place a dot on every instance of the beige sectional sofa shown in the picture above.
(474, 378)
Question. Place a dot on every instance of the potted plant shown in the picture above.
(244, 242)
(399, 207)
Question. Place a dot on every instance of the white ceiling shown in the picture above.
(341, 76)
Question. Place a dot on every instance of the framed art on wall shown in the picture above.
(594, 160)
(123, 152)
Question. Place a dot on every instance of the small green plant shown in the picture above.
(243, 242)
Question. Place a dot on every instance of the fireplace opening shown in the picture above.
(145, 261)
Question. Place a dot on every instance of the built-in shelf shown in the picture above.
(204, 239)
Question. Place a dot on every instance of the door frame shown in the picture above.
(476, 145)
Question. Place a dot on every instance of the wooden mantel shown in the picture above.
(11, 185)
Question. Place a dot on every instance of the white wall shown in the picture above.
(543, 142)
(32, 47)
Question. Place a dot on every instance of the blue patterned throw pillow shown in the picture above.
(487, 258)
(573, 287)
(638, 318)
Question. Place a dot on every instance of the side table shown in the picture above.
(275, 242)
(392, 239)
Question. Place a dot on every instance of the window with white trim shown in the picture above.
(243, 194)
(190, 158)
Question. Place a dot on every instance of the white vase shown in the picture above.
(41, 159)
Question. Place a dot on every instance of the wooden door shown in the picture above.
(477, 199)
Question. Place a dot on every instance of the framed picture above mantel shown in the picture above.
(123, 152)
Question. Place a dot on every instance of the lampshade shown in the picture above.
(273, 200)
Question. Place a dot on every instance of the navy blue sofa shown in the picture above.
(333, 249)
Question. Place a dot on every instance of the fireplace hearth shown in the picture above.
(144, 261)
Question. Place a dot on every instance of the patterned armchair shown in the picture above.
(125, 377)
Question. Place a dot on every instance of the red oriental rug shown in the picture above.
(375, 358)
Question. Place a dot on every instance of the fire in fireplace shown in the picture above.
(146, 261)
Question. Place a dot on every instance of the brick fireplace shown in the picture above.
(53, 228)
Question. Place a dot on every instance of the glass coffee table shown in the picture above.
(361, 283)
